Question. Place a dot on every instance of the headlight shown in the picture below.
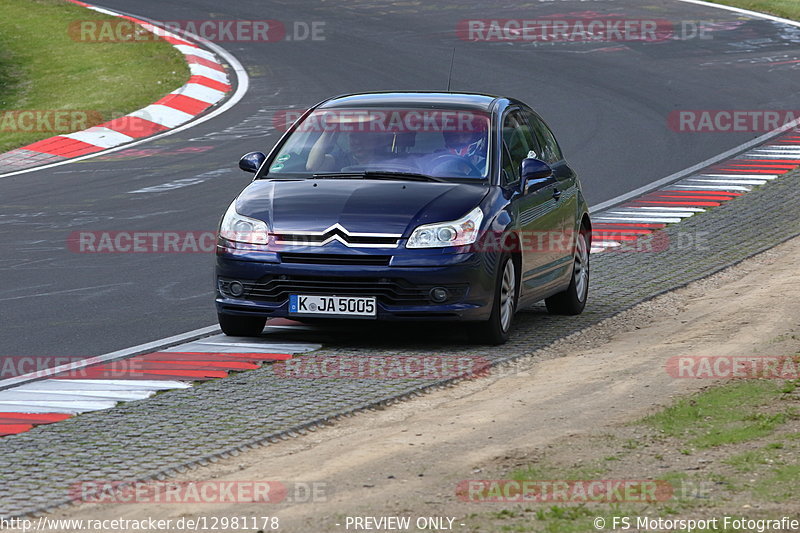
(236, 227)
(456, 233)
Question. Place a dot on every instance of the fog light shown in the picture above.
(439, 294)
(236, 288)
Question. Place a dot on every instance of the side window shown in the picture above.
(508, 174)
(551, 153)
(518, 140)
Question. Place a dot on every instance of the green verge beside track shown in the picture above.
(782, 8)
(44, 66)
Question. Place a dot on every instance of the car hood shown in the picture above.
(358, 205)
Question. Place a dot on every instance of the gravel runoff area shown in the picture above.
(160, 436)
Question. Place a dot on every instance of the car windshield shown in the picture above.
(406, 142)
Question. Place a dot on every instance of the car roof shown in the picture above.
(471, 101)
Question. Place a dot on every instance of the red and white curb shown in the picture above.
(60, 393)
(208, 85)
(620, 226)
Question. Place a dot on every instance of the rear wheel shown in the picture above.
(241, 326)
(496, 330)
(573, 300)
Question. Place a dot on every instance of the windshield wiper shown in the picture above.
(380, 175)
(323, 175)
(412, 176)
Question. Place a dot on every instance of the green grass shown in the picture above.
(754, 460)
(780, 484)
(539, 472)
(723, 415)
(783, 8)
(43, 68)
(727, 417)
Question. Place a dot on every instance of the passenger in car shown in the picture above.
(362, 148)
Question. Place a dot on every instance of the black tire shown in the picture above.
(573, 300)
(496, 329)
(241, 326)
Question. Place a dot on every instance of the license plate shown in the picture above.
(355, 306)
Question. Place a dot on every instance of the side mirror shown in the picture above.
(252, 162)
(534, 174)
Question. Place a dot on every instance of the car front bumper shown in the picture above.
(402, 287)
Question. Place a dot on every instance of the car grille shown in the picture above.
(366, 240)
(336, 259)
(390, 291)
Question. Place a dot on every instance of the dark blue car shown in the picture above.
(406, 206)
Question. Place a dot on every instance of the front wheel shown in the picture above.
(241, 326)
(573, 300)
(496, 330)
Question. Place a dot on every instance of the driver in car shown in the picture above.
(468, 144)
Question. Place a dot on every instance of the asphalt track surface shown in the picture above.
(608, 104)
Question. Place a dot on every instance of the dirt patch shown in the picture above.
(567, 406)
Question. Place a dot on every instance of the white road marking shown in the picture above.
(637, 219)
(200, 92)
(779, 146)
(748, 156)
(161, 114)
(217, 343)
(101, 10)
(177, 184)
(195, 51)
(741, 176)
(292, 327)
(100, 136)
(23, 396)
(103, 384)
(208, 72)
(734, 182)
(34, 406)
(715, 187)
(779, 154)
(184, 182)
(660, 208)
(65, 291)
(680, 214)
